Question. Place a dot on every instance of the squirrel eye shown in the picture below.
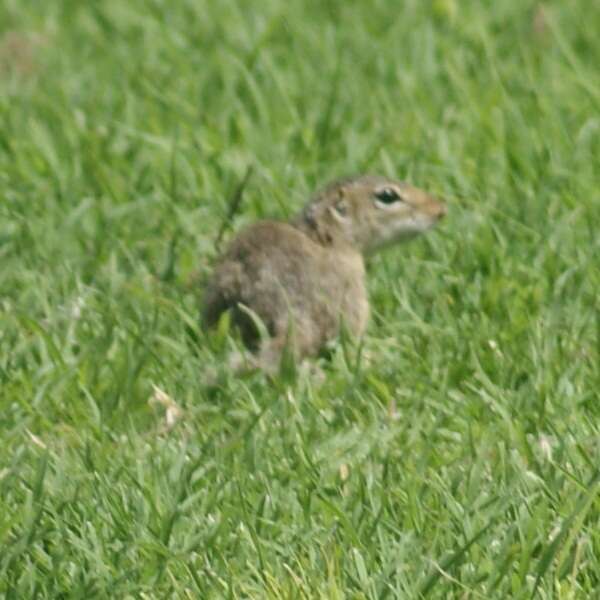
(387, 195)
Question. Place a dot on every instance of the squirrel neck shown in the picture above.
(322, 233)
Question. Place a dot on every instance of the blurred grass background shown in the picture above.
(456, 457)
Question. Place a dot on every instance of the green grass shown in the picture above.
(124, 129)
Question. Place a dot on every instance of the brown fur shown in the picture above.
(305, 278)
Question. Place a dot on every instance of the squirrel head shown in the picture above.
(370, 212)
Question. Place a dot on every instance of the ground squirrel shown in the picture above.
(305, 279)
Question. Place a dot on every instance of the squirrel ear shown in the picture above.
(339, 210)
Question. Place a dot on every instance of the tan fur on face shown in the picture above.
(349, 212)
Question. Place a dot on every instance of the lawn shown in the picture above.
(454, 454)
